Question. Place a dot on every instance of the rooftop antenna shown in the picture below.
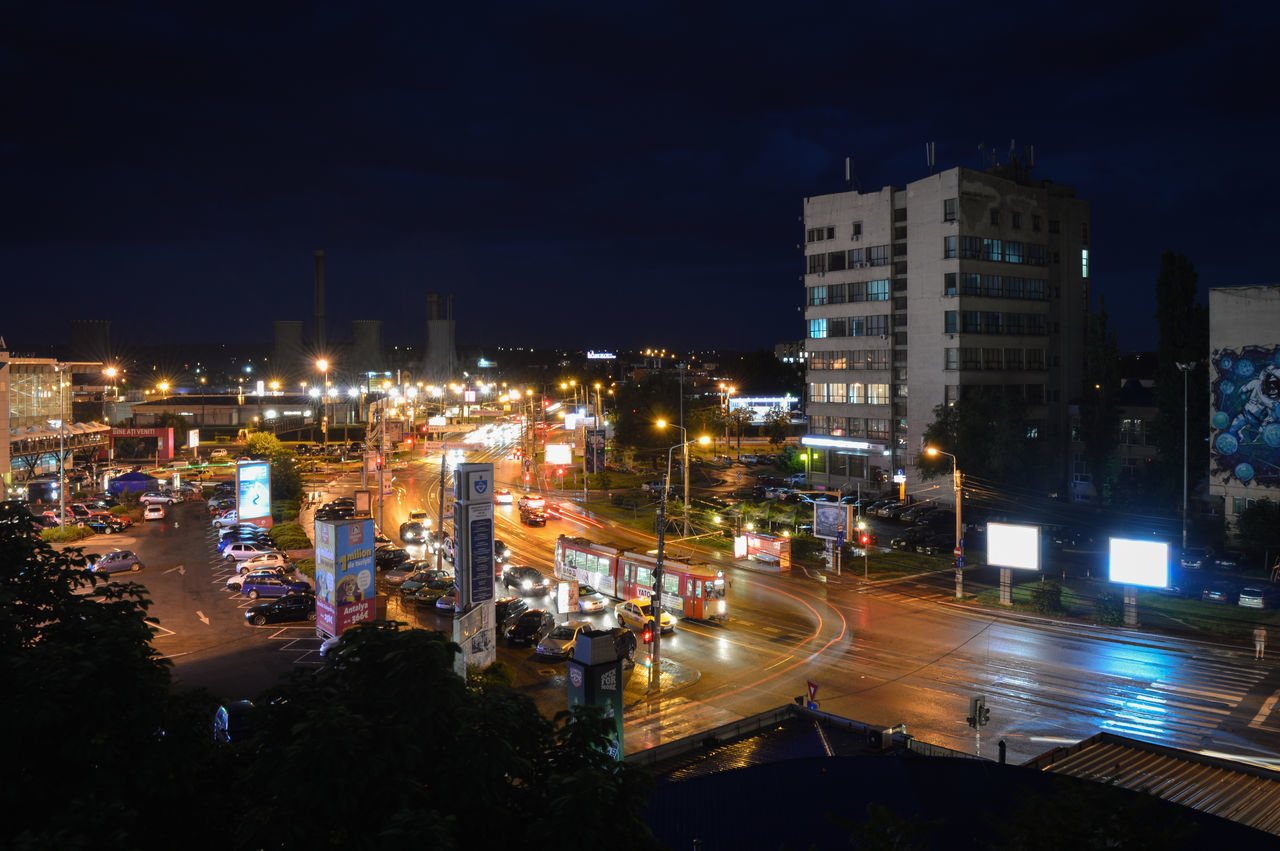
(1031, 155)
(929, 155)
(851, 177)
(1012, 148)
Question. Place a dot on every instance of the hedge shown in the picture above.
(63, 534)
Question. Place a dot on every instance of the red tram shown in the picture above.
(689, 590)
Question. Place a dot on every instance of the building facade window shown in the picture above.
(995, 217)
(1084, 262)
(877, 394)
(970, 283)
(878, 428)
(878, 255)
(836, 261)
(949, 209)
(971, 322)
(992, 249)
(949, 283)
(855, 258)
(1015, 220)
(949, 247)
(1013, 358)
(951, 393)
(878, 290)
(970, 358)
(951, 359)
(970, 248)
(817, 329)
(991, 359)
(950, 322)
(819, 234)
(1012, 252)
(1035, 359)
(817, 264)
(856, 231)
(1055, 226)
(1035, 223)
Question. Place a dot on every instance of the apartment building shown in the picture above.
(916, 294)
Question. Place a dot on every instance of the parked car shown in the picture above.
(1257, 597)
(1220, 592)
(448, 601)
(530, 627)
(430, 591)
(638, 614)
(1229, 561)
(277, 560)
(1194, 558)
(240, 551)
(263, 585)
(422, 576)
(155, 497)
(894, 512)
(218, 453)
(154, 511)
(560, 641)
(290, 607)
(103, 526)
(917, 512)
(226, 518)
(527, 580)
(236, 581)
(117, 561)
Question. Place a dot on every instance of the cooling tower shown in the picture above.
(366, 346)
(441, 362)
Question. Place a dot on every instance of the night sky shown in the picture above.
(589, 175)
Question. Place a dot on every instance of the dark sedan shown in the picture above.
(291, 607)
(530, 627)
(1220, 592)
(526, 580)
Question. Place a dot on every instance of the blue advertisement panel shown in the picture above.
(1245, 395)
(481, 534)
(253, 492)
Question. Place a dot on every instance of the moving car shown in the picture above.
(501, 552)
(502, 496)
(530, 627)
(419, 516)
(507, 609)
(525, 579)
(560, 641)
(154, 511)
(638, 614)
(624, 642)
(532, 501)
(413, 532)
(116, 562)
(590, 600)
(533, 516)
(291, 607)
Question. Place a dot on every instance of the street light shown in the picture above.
(1184, 368)
(726, 391)
(685, 445)
(60, 425)
(655, 680)
(323, 365)
(959, 551)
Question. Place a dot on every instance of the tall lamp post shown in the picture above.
(655, 677)
(957, 480)
(323, 365)
(667, 484)
(1184, 368)
(60, 425)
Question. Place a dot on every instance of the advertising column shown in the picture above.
(253, 493)
(473, 564)
(344, 574)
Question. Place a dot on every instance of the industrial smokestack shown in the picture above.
(319, 335)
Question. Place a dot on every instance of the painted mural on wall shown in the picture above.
(1246, 416)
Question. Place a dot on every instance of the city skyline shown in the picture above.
(587, 178)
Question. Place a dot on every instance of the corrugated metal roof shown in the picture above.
(1245, 794)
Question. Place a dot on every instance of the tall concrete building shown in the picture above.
(1244, 397)
(915, 294)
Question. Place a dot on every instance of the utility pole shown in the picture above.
(1184, 368)
(655, 670)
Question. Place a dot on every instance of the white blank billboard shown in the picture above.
(1013, 546)
(559, 453)
(1143, 563)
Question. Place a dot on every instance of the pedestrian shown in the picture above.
(1259, 642)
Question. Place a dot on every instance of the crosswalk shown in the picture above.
(668, 719)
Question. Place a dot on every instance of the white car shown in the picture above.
(218, 453)
(559, 643)
(638, 614)
(227, 518)
(154, 511)
(590, 600)
(242, 551)
(502, 496)
(271, 559)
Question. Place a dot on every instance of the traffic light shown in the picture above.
(984, 715)
(408, 441)
(865, 539)
(978, 712)
(378, 462)
(647, 635)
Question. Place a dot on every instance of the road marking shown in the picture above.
(182, 571)
(1265, 711)
(202, 618)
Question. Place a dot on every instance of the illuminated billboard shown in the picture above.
(559, 453)
(344, 574)
(1009, 545)
(1144, 563)
(253, 492)
(1245, 394)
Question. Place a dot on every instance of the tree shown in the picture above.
(1259, 527)
(777, 426)
(101, 752)
(471, 766)
(1099, 413)
(263, 444)
(986, 430)
(1183, 339)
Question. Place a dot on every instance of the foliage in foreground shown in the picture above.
(384, 747)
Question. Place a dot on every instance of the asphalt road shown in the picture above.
(885, 653)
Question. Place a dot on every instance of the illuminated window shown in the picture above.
(1084, 262)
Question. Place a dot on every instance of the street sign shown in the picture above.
(957, 552)
(813, 691)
